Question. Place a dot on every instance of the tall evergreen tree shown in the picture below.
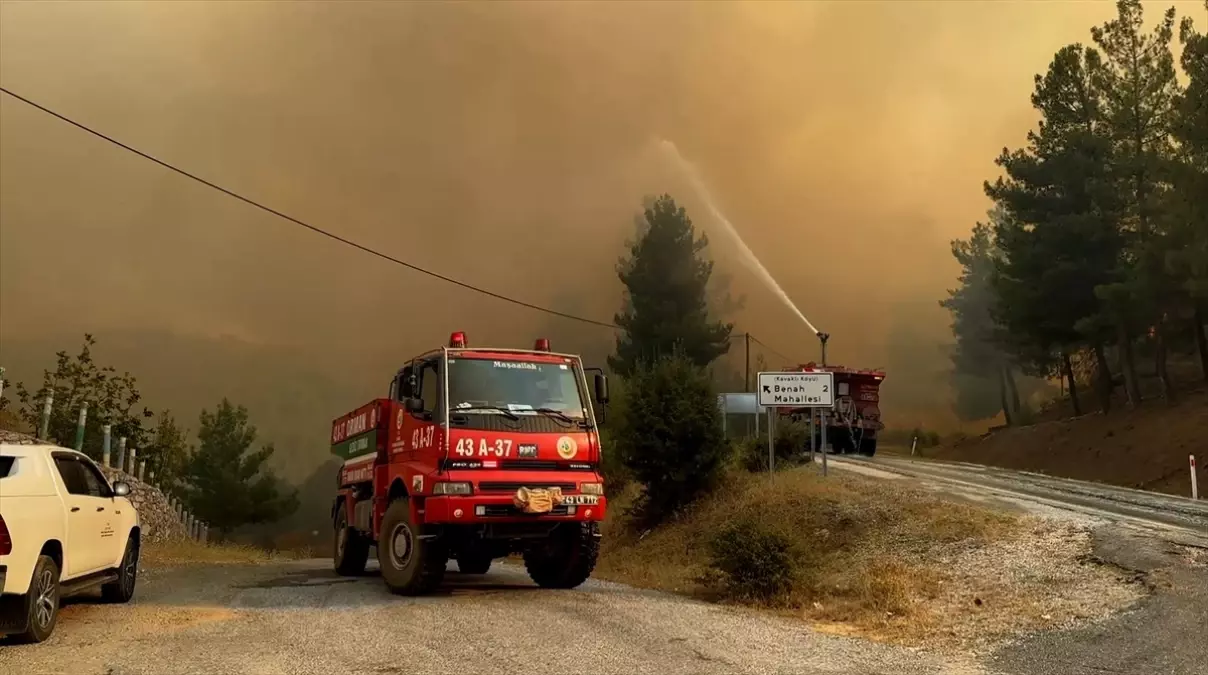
(1059, 233)
(228, 484)
(977, 358)
(1138, 87)
(1189, 200)
(666, 278)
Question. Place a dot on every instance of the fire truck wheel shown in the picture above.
(410, 565)
(351, 547)
(473, 563)
(567, 560)
(868, 447)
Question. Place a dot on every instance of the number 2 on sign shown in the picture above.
(422, 438)
(501, 447)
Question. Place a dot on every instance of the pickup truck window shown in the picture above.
(97, 485)
(6, 466)
(73, 475)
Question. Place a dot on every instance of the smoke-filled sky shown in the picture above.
(506, 145)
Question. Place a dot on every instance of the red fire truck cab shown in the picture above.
(475, 454)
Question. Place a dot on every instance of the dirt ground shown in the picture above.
(1146, 448)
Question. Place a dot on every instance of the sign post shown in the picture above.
(813, 390)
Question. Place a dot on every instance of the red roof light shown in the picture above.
(542, 345)
(457, 339)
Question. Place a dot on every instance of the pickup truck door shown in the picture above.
(111, 543)
(82, 552)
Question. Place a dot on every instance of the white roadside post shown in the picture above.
(771, 440)
(913, 444)
(798, 389)
(1195, 488)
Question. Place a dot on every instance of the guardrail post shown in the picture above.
(133, 462)
(106, 438)
(142, 470)
(79, 437)
(44, 427)
(1195, 488)
(205, 533)
(120, 464)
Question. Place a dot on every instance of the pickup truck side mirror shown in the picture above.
(121, 488)
(601, 386)
(414, 405)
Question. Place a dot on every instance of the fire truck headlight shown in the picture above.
(452, 489)
(591, 488)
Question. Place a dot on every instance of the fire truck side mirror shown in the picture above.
(407, 383)
(414, 405)
(601, 382)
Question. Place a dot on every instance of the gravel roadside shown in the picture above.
(298, 617)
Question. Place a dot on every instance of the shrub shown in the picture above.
(750, 562)
(791, 444)
(668, 432)
(616, 474)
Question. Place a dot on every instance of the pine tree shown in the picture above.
(1138, 87)
(1058, 233)
(979, 364)
(1189, 199)
(666, 278)
(227, 483)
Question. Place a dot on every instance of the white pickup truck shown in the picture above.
(63, 530)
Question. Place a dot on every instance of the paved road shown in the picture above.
(301, 618)
(1162, 539)
(1170, 517)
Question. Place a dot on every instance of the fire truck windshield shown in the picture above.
(491, 386)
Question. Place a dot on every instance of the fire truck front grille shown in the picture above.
(530, 464)
(510, 511)
(511, 486)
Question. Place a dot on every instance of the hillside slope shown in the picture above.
(1146, 448)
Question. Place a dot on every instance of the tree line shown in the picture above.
(1094, 258)
(223, 478)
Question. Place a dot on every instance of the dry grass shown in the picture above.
(874, 557)
(179, 552)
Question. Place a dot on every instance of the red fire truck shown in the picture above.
(853, 424)
(476, 453)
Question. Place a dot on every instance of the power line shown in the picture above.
(296, 221)
(326, 233)
(765, 346)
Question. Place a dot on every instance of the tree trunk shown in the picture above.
(1012, 389)
(1104, 380)
(1007, 413)
(1128, 365)
(1159, 361)
(1201, 345)
(1069, 375)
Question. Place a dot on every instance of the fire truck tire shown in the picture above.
(410, 565)
(351, 547)
(567, 560)
(473, 564)
(868, 447)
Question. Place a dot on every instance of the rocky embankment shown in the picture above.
(158, 517)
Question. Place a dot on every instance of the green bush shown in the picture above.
(750, 562)
(667, 430)
(616, 474)
(791, 445)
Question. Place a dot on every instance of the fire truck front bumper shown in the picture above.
(485, 508)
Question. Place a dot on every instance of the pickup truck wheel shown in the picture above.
(473, 563)
(41, 602)
(567, 560)
(351, 548)
(410, 565)
(122, 589)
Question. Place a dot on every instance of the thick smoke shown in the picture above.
(505, 145)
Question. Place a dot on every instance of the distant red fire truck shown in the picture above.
(853, 424)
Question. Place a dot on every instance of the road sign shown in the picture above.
(797, 390)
